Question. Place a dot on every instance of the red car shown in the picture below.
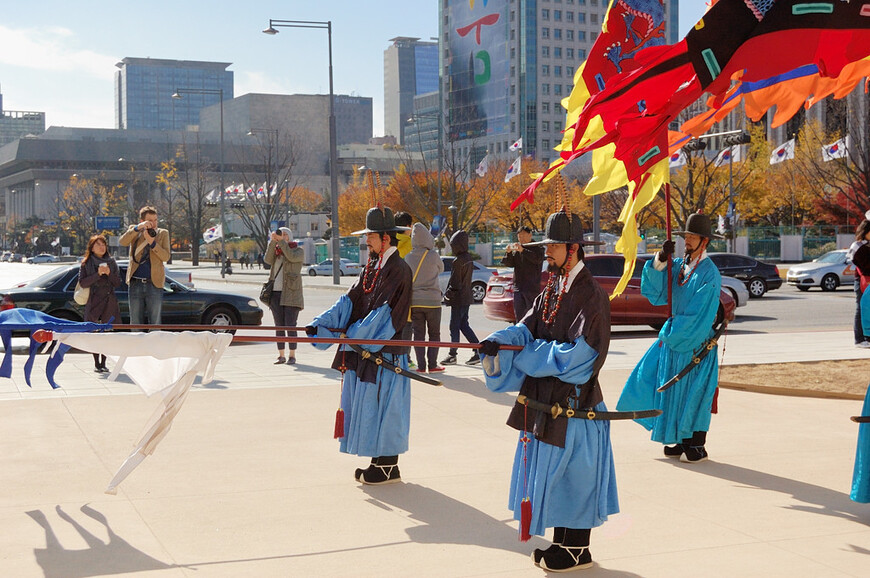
(630, 308)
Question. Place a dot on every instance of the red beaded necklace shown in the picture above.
(368, 288)
(682, 279)
(553, 285)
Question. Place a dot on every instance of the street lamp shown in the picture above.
(220, 92)
(333, 152)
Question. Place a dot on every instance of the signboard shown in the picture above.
(49, 223)
(108, 223)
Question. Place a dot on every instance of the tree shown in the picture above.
(81, 201)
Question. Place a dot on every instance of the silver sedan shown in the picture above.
(828, 272)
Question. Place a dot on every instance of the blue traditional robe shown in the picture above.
(686, 405)
(376, 402)
(569, 473)
(865, 311)
(861, 474)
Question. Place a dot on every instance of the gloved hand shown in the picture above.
(489, 348)
(668, 248)
(311, 331)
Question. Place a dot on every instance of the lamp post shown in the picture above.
(219, 91)
(333, 152)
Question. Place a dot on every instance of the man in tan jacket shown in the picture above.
(149, 250)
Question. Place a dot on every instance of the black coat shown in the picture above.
(527, 269)
(102, 303)
(459, 286)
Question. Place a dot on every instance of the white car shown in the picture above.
(346, 266)
(737, 289)
(828, 272)
(42, 258)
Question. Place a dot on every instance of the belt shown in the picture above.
(140, 279)
(557, 410)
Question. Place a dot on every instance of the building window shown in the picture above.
(545, 70)
(545, 51)
(513, 53)
(545, 14)
(545, 32)
(513, 34)
(513, 108)
(557, 15)
(513, 127)
(581, 53)
(513, 89)
(581, 18)
(557, 71)
(545, 89)
(594, 35)
(593, 18)
(569, 53)
(557, 52)
(581, 35)
(593, 2)
(513, 15)
(557, 89)
(557, 124)
(545, 107)
(570, 35)
(513, 71)
(569, 71)
(569, 16)
(545, 125)
(545, 144)
(557, 33)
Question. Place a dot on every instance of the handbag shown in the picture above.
(269, 286)
(81, 294)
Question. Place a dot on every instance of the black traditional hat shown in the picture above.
(699, 224)
(563, 227)
(380, 220)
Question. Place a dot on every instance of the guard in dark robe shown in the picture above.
(563, 468)
(375, 402)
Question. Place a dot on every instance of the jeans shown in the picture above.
(145, 298)
(459, 322)
(284, 316)
(425, 319)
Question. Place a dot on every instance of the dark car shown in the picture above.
(630, 308)
(758, 277)
(52, 293)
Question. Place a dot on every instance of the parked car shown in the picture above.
(630, 308)
(758, 277)
(828, 272)
(53, 294)
(12, 257)
(479, 278)
(346, 266)
(42, 258)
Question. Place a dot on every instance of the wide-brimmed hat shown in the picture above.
(699, 224)
(563, 227)
(380, 220)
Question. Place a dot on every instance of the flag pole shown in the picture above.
(668, 230)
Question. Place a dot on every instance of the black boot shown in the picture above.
(695, 451)
(558, 537)
(383, 470)
(677, 450)
(572, 554)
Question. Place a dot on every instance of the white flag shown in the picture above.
(213, 233)
(514, 169)
(517, 145)
(836, 150)
(784, 152)
(677, 159)
(729, 155)
(483, 166)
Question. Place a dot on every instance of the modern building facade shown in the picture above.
(15, 124)
(410, 69)
(144, 89)
(506, 66)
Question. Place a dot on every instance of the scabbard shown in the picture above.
(706, 348)
(860, 418)
(378, 359)
(557, 410)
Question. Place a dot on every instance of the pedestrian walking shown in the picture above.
(686, 406)
(99, 273)
(527, 261)
(426, 297)
(458, 297)
(375, 415)
(563, 475)
(285, 257)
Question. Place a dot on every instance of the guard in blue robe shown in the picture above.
(685, 406)
(563, 467)
(861, 474)
(376, 403)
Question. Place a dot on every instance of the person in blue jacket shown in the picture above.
(861, 473)
(686, 406)
(376, 402)
(563, 468)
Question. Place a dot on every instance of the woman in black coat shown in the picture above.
(99, 272)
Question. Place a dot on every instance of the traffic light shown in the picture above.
(695, 145)
(737, 139)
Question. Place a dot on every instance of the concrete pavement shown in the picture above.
(250, 482)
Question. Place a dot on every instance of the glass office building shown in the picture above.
(144, 89)
(410, 69)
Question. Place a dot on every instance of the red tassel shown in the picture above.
(339, 423)
(525, 519)
(715, 408)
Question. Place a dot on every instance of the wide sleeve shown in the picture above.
(376, 325)
(654, 283)
(336, 317)
(687, 329)
(570, 362)
(501, 373)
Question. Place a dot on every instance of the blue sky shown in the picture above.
(63, 61)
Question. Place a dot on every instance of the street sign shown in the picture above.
(49, 223)
(108, 223)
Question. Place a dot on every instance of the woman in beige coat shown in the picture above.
(285, 258)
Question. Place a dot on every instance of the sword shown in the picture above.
(860, 418)
(378, 359)
(557, 410)
(706, 348)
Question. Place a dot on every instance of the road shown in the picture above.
(783, 310)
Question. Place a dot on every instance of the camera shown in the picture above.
(152, 232)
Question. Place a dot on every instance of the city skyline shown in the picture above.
(65, 66)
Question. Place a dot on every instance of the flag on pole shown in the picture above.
(482, 167)
(784, 152)
(729, 155)
(213, 233)
(836, 150)
(517, 145)
(678, 159)
(514, 169)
